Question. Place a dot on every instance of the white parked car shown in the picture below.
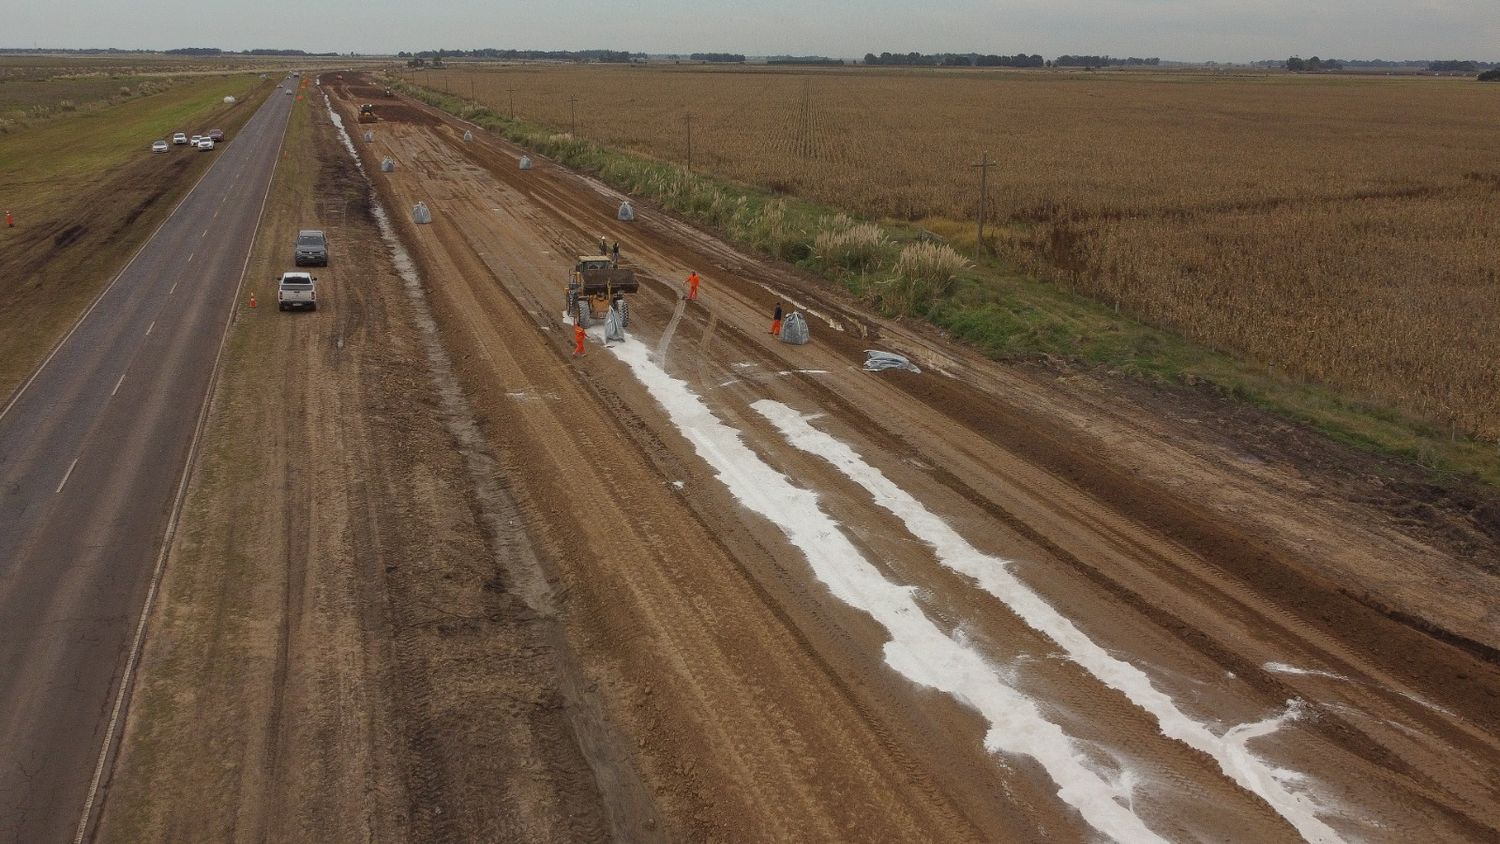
(205, 144)
(180, 138)
(159, 146)
(289, 92)
(195, 140)
(295, 291)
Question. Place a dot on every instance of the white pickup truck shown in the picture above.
(297, 290)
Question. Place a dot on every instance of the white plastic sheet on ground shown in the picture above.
(420, 213)
(468, 136)
(388, 165)
(876, 360)
(525, 162)
(794, 329)
(627, 212)
(229, 101)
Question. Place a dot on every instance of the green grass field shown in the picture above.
(86, 192)
(67, 154)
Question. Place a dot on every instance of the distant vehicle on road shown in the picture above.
(194, 140)
(180, 138)
(312, 248)
(296, 291)
(205, 144)
(288, 92)
(216, 134)
(159, 146)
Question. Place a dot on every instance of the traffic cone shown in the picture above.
(252, 300)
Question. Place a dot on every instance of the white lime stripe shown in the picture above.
(993, 575)
(917, 649)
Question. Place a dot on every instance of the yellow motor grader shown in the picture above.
(595, 286)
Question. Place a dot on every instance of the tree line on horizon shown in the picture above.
(1298, 64)
(992, 60)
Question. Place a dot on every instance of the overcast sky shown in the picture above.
(1224, 30)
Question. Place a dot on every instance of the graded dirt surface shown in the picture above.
(1235, 583)
(439, 580)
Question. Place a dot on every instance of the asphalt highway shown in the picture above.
(93, 453)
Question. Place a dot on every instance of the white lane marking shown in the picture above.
(149, 327)
(166, 544)
(217, 210)
(173, 290)
(191, 254)
(66, 475)
(993, 575)
(117, 384)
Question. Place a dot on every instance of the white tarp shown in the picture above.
(229, 101)
(388, 165)
(468, 136)
(525, 162)
(614, 328)
(420, 214)
(626, 213)
(794, 329)
(876, 360)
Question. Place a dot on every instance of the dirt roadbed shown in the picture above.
(440, 580)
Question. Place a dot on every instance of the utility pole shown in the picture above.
(573, 106)
(689, 119)
(984, 166)
(512, 92)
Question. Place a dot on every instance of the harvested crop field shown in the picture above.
(1326, 226)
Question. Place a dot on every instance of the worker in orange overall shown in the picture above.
(776, 321)
(693, 287)
(578, 336)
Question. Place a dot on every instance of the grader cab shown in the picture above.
(595, 286)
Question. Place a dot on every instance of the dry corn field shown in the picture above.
(1343, 229)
